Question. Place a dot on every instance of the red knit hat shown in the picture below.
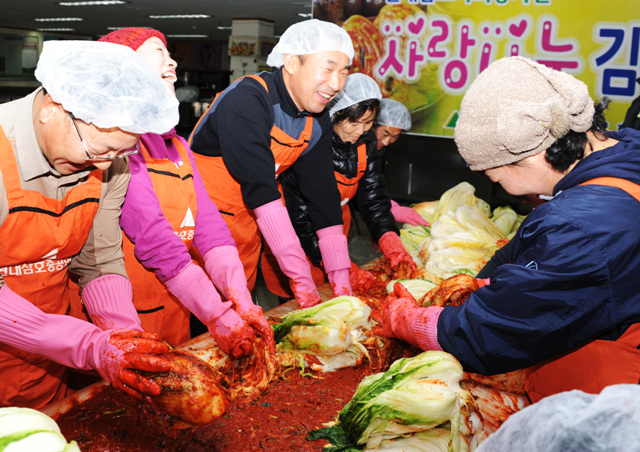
(133, 37)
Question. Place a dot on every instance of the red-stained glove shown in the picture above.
(335, 259)
(407, 215)
(402, 318)
(196, 292)
(483, 282)
(227, 273)
(394, 251)
(361, 279)
(124, 351)
(232, 334)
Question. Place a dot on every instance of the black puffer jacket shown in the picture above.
(372, 198)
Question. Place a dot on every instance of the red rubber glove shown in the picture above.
(124, 351)
(407, 215)
(483, 282)
(402, 318)
(394, 251)
(227, 273)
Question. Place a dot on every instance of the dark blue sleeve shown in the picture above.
(554, 297)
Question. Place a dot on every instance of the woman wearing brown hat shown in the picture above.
(167, 212)
(568, 305)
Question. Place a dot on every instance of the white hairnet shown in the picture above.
(358, 87)
(573, 421)
(393, 114)
(311, 36)
(108, 85)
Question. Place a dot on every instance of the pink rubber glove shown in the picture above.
(361, 279)
(227, 273)
(115, 354)
(196, 292)
(335, 258)
(407, 215)
(394, 251)
(109, 302)
(402, 318)
(483, 282)
(275, 226)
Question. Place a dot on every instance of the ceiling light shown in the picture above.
(305, 15)
(55, 29)
(58, 19)
(95, 3)
(220, 27)
(187, 36)
(181, 16)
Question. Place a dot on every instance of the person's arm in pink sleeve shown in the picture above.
(109, 302)
(409, 215)
(275, 225)
(227, 273)
(142, 220)
(117, 355)
(335, 258)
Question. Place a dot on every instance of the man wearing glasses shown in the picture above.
(63, 178)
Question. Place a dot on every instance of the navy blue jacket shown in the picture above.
(574, 277)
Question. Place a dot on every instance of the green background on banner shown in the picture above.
(426, 53)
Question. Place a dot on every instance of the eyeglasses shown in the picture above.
(100, 158)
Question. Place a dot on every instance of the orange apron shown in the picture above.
(159, 311)
(39, 237)
(599, 363)
(276, 280)
(225, 191)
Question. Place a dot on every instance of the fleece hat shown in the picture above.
(311, 36)
(517, 108)
(132, 37)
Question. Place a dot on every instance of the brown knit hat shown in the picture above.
(517, 108)
(133, 37)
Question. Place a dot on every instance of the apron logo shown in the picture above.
(51, 255)
(188, 221)
(532, 264)
(344, 202)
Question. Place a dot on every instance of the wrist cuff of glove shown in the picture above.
(334, 248)
(196, 292)
(425, 329)
(109, 302)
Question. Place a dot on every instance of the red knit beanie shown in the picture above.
(133, 37)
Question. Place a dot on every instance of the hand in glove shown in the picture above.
(232, 334)
(196, 292)
(335, 258)
(275, 226)
(361, 279)
(407, 215)
(393, 249)
(120, 353)
(402, 318)
(115, 354)
(225, 268)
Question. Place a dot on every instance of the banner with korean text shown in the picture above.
(426, 53)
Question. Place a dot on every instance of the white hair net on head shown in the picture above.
(573, 421)
(393, 114)
(108, 85)
(358, 87)
(311, 36)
